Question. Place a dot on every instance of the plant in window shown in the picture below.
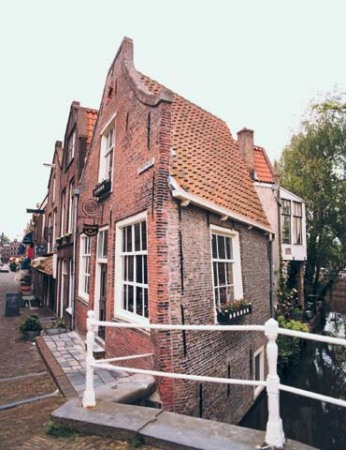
(232, 309)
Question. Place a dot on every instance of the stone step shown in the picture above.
(131, 389)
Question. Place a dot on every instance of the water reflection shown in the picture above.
(322, 369)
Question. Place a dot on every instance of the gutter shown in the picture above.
(187, 198)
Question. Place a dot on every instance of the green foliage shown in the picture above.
(290, 347)
(60, 322)
(313, 166)
(136, 442)
(31, 323)
(52, 429)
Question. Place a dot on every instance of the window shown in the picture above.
(258, 369)
(70, 211)
(63, 212)
(286, 221)
(132, 268)
(70, 148)
(102, 245)
(53, 189)
(227, 278)
(297, 223)
(84, 264)
(106, 154)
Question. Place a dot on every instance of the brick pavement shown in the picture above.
(24, 375)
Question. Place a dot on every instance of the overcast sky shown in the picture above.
(252, 63)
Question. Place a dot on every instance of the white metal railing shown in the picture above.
(274, 430)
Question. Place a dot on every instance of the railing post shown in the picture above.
(89, 393)
(274, 433)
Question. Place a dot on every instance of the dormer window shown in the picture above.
(70, 148)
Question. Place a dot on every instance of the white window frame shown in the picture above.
(107, 151)
(84, 267)
(260, 353)
(236, 260)
(119, 269)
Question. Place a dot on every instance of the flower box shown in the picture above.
(233, 311)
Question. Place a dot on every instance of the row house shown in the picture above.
(171, 230)
(285, 212)
(55, 230)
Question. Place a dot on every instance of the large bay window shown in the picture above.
(227, 278)
(132, 268)
(84, 267)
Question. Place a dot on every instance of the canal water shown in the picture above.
(322, 369)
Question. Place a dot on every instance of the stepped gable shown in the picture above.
(206, 161)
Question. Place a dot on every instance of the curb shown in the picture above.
(55, 369)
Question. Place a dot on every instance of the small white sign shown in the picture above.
(146, 166)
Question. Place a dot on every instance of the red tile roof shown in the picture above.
(263, 168)
(206, 160)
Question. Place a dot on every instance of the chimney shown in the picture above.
(246, 148)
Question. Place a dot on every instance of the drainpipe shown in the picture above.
(73, 306)
(271, 274)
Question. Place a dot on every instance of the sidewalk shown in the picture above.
(68, 350)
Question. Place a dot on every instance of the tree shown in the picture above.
(4, 239)
(313, 166)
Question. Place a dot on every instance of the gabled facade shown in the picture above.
(170, 230)
(285, 212)
(79, 129)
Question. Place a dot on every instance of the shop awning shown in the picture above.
(43, 264)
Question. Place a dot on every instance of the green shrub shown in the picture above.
(31, 323)
(290, 347)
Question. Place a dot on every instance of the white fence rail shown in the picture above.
(274, 430)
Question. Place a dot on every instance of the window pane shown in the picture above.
(137, 237)
(216, 280)
(144, 235)
(258, 367)
(125, 297)
(230, 293)
(223, 295)
(216, 293)
(229, 268)
(124, 238)
(214, 246)
(126, 270)
(130, 267)
(139, 301)
(146, 303)
(222, 274)
(229, 253)
(221, 247)
(129, 239)
(145, 259)
(139, 269)
(130, 298)
(105, 244)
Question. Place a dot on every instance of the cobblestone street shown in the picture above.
(24, 376)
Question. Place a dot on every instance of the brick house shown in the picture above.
(77, 138)
(180, 231)
(285, 212)
(45, 230)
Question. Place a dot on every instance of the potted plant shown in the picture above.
(31, 326)
(67, 237)
(58, 241)
(232, 310)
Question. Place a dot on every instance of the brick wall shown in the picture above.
(207, 353)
